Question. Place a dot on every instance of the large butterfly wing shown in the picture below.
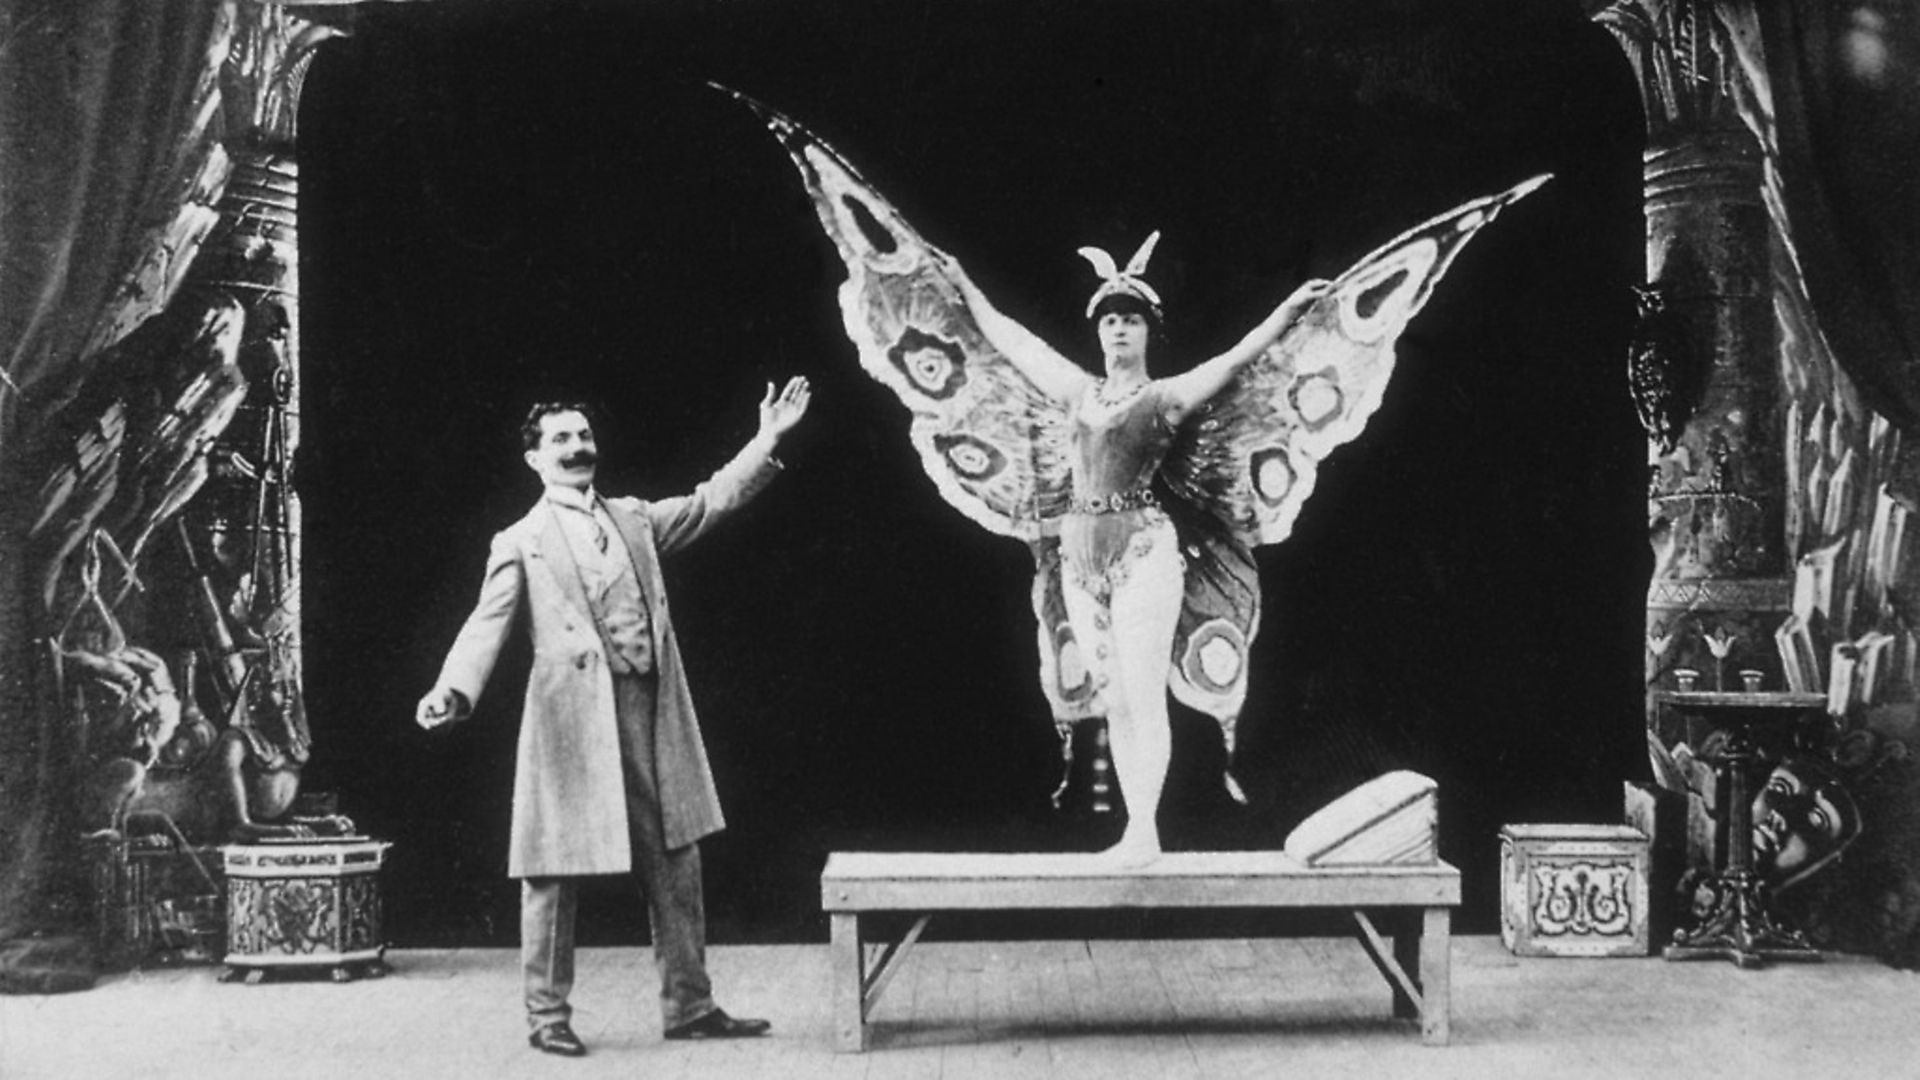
(1217, 623)
(1249, 458)
(994, 445)
(1218, 619)
(1251, 455)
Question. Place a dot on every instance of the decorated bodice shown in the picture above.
(1119, 445)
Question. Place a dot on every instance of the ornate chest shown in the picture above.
(309, 904)
(1573, 890)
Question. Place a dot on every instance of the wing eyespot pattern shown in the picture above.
(1272, 475)
(971, 457)
(1073, 681)
(1317, 400)
(934, 366)
(1215, 656)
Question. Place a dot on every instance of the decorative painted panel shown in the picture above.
(1574, 890)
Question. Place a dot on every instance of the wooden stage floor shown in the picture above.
(1299, 1008)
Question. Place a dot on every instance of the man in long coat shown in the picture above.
(611, 775)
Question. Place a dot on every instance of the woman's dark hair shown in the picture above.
(1125, 303)
(530, 427)
(1129, 304)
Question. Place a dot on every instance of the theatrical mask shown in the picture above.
(1803, 818)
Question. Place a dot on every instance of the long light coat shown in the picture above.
(569, 796)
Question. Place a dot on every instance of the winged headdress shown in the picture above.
(1117, 282)
(996, 448)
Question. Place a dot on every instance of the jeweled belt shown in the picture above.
(1139, 498)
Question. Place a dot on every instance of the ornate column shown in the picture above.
(241, 536)
(1704, 364)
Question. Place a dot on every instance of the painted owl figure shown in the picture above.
(1664, 369)
(996, 447)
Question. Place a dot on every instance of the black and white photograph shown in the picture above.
(1043, 538)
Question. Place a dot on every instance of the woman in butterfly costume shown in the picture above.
(1086, 469)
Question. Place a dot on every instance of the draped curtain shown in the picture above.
(1847, 131)
(109, 165)
(1838, 84)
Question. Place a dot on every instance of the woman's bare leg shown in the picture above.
(1131, 652)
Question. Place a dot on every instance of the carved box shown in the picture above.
(1574, 890)
(305, 904)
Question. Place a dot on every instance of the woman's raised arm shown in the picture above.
(1056, 376)
(1189, 390)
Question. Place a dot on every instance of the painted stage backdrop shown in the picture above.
(256, 428)
(506, 207)
(253, 495)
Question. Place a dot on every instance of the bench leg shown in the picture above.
(848, 960)
(1406, 953)
(1436, 977)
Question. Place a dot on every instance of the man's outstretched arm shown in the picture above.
(683, 519)
(470, 660)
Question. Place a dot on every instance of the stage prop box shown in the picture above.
(157, 901)
(305, 905)
(1574, 890)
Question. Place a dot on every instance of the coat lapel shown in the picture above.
(632, 532)
(553, 551)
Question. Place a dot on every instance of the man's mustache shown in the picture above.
(579, 458)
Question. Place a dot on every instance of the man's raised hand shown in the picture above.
(779, 412)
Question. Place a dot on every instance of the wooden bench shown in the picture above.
(856, 884)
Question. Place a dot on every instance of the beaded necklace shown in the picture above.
(1100, 392)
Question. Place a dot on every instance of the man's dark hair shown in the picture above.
(530, 427)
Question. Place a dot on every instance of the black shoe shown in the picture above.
(557, 1039)
(718, 1025)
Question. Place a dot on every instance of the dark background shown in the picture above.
(505, 205)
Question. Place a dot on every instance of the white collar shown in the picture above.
(576, 498)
